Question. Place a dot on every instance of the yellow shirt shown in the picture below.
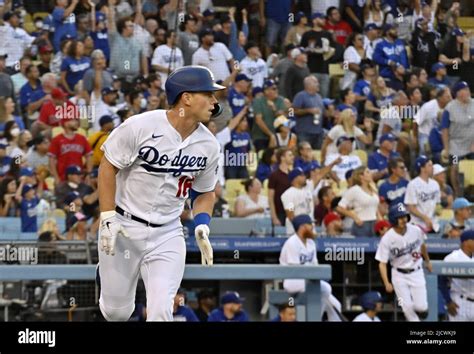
(96, 140)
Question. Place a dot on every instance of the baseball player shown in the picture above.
(459, 294)
(152, 163)
(404, 245)
(300, 249)
(371, 302)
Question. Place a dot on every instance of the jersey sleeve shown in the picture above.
(383, 251)
(120, 149)
(206, 181)
(410, 195)
(289, 254)
(54, 148)
(286, 201)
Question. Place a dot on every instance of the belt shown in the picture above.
(135, 218)
(467, 298)
(407, 271)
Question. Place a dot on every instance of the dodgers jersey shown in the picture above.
(295, 252)
(425, 195)
(403, 251)
(158, 168)
(461, 286)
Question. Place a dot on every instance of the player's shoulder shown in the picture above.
(205, 136)
(453, 256)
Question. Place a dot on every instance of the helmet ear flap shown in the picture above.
(217, 110)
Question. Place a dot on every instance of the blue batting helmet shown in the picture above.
(369, 300)
(191, 79)
(397, 211)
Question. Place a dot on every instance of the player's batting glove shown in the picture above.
(201, 232)
(110, 228)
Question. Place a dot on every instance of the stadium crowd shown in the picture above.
(349, 106)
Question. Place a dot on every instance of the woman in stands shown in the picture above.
(380, 97)
(9, 206)
(253, 204)
(7, 108)
(283, 136)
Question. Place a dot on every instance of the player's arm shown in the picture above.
(234, 122)
(426, 257)
(414, 210)
(384, 276)
(107, 185)
(53, 163)
(204, 203)
(271, 203)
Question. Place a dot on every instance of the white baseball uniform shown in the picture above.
(462, 289)
(363, 317)
(295, 252)
(157, 169)
(424, 195)
(404, 254)
(298, 200)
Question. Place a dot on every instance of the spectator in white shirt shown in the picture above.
(214, 56)
(348, 161)
(353, 56)
(360, 203)
(167, 57)
(371, 39)
(253, 65)
(253, 204)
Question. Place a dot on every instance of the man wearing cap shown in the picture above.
(300, 249)
(347, 161)
(167, 57)
(461, 221)
(378, 160)
(73, 183)
(296, 73)
(266, 109)
(456, 129)
(390, 53)
(76, 225)
(188, 39)
(423, 195)
(319, 46)
(49, 114)
(309, 110)
(425, 45)
(371, 39)
(455, 54)
(231, 309)
(253, 65)
(439, 79)
(298, 199)
(214, 56)
(105, 103)
(439, 175)
(45, 56)
(26, 196)
(428, 116)
(40, 96)
(100, 34)
(98, 138)
(459, 292)
(182, 312)
(237, 95)
(393, 190)
(64, 21)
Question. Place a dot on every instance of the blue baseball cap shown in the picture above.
(99, 17)
(3, 146)
(421, 161)
(460, 203)
(208, 12)
(256, 90)
(107, 90)
(27, 171)
(435, 67)
(298, 171)
(459, 86)
(317, 15)
(301, 220)
(105, 120)
(388, 136)
(66, 36)
(241, 77)
(27, 188)
(327, 102)
(458, 32)
(73, 170)
(467, 235)
(269, 83)
(71, 196)
(298, 16)
(370, 26)
(343, 139)
(314, 165)
(232, 297)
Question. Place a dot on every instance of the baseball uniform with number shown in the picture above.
(157, 169)
(404, 254)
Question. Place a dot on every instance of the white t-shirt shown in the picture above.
(426, 116)
(425, 196)
(298, 200)
(336, 132)
(14, 41)
(403, 251)
(157, 168)
(215, 59)
(370, 46)
(364, 205)
(255, 69)
(363, 317)
(103, 109)
(223, 137)
(167, 57)
(349, 162)
(250, 204)
(464, 286)
(295, 252)
(351, 56)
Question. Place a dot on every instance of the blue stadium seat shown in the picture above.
(232, 226)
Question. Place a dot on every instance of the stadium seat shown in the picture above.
(232, 226)
(467, 168)
(233, 188)
(466, 23)
(336, 70)
(446, 214)
(317, 156)
(362, 155)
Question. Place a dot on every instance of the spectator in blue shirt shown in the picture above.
(378, 160)
(237, 95)
(181, 312)
(286, 313)
(26, 195)
(354, 13)
(275, 19)
(64, 21)
(32, 85)
(390, 53)
(435, 140)
(238, 39)
(439, 79)
(237, 152)
(305, 156)
(230, 311)
(7, 108)
(266, 165)
(100, 34)
(5, 160)
(362, 86)
(348, 99)
(74, 66)
(392, 191)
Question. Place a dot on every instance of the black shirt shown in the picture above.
(294, 80)
(313, 39)
(425, 49)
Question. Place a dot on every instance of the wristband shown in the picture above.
(202, 219)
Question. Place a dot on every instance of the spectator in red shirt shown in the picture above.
(67, 149)
(325, 197)
(53, 110)
(338, 27)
